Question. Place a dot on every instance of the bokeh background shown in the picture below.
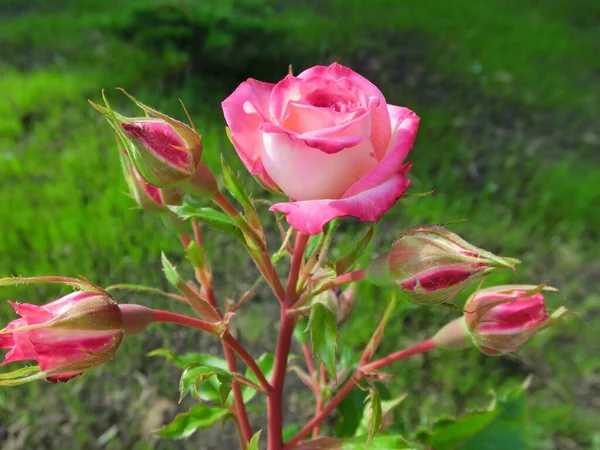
(509, 96)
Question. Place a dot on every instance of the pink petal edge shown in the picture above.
(310, 216)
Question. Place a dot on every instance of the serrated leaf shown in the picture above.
(185, 424)
(502, 426)
(345, 263)
(170, 271)
(322, 324)
(192, 379)
(376, 415)
(209, 216)
(265, 363)
(253, 444)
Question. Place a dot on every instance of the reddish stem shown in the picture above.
(309, 361)
(238, 400)
(421, 347)
(319, 405)
(297, 259)
(316, 420)
(357, 275)
(275, 398)
(248, 360)
(179, 319)
(284, 342)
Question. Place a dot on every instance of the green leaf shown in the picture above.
(170, 270)
(380, 442)
(192, 383)
(195, 255)
(300, 330)
(185, 359)
(253, 444)
(265, 363)
(350, 412)
(376, 415)
(502, 426)
(345, 263)
(290, 431)
(208, 216)
(383, 442)
(324, 334)
(185, 424)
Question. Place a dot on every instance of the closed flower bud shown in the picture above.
(66, 337)
(501, 318)
(431, 265)
(163, 150)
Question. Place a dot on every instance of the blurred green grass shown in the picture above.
(509, 97)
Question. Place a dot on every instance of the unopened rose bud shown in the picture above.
(163, 150)
(431, 265)
(66, 337)
(501, 318)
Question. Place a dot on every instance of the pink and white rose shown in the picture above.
(327, 139)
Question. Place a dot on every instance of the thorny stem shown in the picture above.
(421, 347)
(284, 341)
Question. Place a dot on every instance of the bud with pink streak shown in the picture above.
(164, 151)
(502, 318)
(66, 337)
(431, 265)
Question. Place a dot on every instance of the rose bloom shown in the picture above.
(327, 139)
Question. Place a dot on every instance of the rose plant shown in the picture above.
(330, 144)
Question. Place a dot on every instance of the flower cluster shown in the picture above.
(330, 145)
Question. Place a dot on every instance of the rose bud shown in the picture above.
(66, 337)
(327, 139)
(501, 318)
(431, 265)
(163, 150)
(148, 197)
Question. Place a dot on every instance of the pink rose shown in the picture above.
(327, 139)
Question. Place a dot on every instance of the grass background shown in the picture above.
(509, 96)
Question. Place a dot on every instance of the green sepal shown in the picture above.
(82, 284)
(170, 271)
(345, 263)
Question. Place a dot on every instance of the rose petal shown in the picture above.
(405, 124)
(245, 110)
(310, 216)
(380, 123)
(306, 173)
